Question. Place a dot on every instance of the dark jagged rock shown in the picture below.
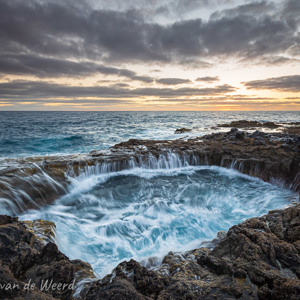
(257, 259)
(264, 155)
(239, 135)
(182, 130)
(288, 127)
(42, 229)
(292, 130)
(268, 156)
(28, 258)
(250, 124)
(7, 220)
(129, 280)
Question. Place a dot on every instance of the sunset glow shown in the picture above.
(150, 55)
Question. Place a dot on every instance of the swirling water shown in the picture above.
(141, 213)
(106, 218)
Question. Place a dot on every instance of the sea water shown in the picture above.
(146, 211)
(141, 213)
(51, 133)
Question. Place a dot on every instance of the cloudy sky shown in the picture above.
(149, 55)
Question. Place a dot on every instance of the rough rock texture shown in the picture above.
(257, 259)
(288, 128)
(28, 258)
(182, 130)
(42, 229)
(269, 156)
(293, 130)
(250, 124)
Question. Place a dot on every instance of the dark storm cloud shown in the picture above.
(284, 84)
(291, 14)
(172, 81)
(40, 90)
(146, 79)
(254, 8)
(51, 67)
(291, 11)
(207, 79)
(277, 60)
(77, 101)
(150, 9)
(181, 8)
(41, 27)
(71, 30)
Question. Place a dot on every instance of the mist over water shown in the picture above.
(141, 213)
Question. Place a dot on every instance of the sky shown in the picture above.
(149, 55)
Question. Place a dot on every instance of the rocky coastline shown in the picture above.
(257, 259)
(273, 157)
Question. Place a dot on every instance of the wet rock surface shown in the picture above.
(250, 124)
(29, 264)
(29, 183)
(293, 130)
(182, 130)
(288, 127)
(257, 259)
(273, 157)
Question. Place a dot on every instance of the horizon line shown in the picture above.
(149, 111)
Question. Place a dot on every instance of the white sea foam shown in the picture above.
(107, 217)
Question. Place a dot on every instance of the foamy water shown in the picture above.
(139, 213)
(155, 206)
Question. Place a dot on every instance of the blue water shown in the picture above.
(141, 213)
(105, 218)
(49, 133)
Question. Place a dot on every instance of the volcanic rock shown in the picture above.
(258, 259)
(182, 130)
(250, 124)
(269, 156)
(27, 258)
(239, 135)
(293, 130)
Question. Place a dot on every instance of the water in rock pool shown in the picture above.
(141, 213)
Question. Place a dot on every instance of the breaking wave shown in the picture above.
(108, 216)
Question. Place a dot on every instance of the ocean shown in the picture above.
(59, 133)
(141, 213)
